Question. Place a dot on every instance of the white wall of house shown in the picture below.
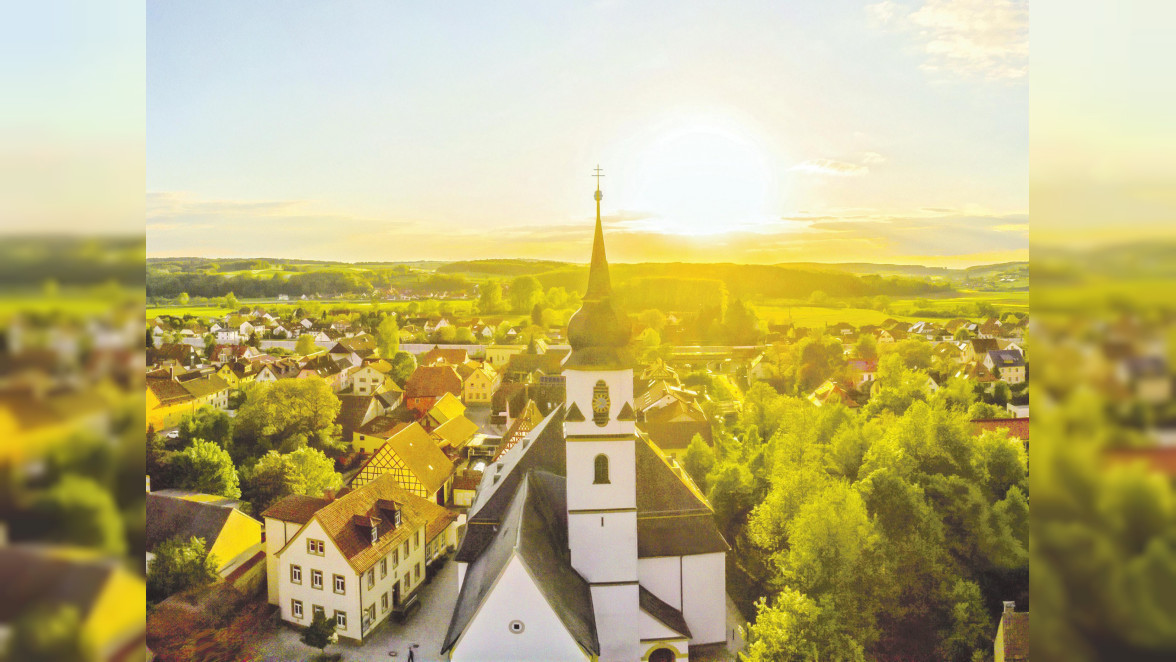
(330, 564)
(651, 628)
(515, 597)
(704, 597)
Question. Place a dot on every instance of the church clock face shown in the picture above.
(600, 403)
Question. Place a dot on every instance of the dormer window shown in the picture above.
(375, 533)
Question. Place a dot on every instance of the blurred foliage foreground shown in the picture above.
(1103, 525)
(72, 452)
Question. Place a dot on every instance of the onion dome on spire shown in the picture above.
(598, 335)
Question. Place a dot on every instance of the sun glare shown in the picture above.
(704, 178)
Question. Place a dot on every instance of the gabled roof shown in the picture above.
(533, 531)
(353, 412)
(450, 355)
(295, 508)
(432, 382)
(456, 431)
(169, 517)
(675, 435)
(338, 520)
(419, 453)
(447, 408)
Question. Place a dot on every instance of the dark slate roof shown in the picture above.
(673, 519)
(295, 508)
(676, 434)
(664, 613)
(33, 575)
(542, 448)
(170, 517)
(352, 412)
(531, 530)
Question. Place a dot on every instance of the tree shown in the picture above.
(79, 511)
(150, 337)
(653, 318)
(490, 299)
(231, 302)
(206, 467)
(698, 460)
(388, 336)
(306, 471)
(525, 292)
(305, 346)
(49, 633)
(320, 633)
(537, 314)
(464, 336)
(184, 298)
(403, 364)
(287, 415)
(207, 423)
(866, 347)
(179, 565)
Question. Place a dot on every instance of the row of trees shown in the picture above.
(889, 533)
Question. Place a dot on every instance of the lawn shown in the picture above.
(801, 314)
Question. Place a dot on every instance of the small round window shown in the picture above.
(517, 627)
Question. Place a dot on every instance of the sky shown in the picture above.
(758, 131)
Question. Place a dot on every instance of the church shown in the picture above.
(584, 542)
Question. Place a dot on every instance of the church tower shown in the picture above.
(601, 434)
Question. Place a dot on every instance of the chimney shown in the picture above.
(1009, 606)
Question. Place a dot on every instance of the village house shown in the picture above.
(412, 456)
(1012, 636)
(353, 558)
(498, 355)
(107, 596)
(479, 384)
(231, 537)
(427, 384)
(1006, 365)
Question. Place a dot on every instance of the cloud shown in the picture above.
(830, 167)
(971, 38)
(872, 158)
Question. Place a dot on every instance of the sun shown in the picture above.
(704, 177)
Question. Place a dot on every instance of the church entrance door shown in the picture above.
(662, 655)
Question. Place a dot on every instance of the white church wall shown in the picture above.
(662, 576)
(651, 628)
(604, 553)
(514, 597)
(704, 597)
(619, 492)
(461, 570)
(617, 621)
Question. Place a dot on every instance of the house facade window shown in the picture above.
(600, 473)
(315, 610)
(416, 540)
(316, 579)
(416, 573)
(296, 608)
(316, 547)
(383, 567)
(384, 602)
(371, 577)
(395, 557)
(340, 584)
(341, 619)
(296, 574)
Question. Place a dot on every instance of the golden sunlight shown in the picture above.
(704, 176)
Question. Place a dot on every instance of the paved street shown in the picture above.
(391, 640)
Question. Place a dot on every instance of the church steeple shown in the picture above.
(598, 336)
(599, 285)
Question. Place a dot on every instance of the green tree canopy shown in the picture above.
(179, 565)
(79, 511)
(403, 364)
(209, 424)
(49, 633)
(388, 336)
(306, 471)
(525, 292)
(206, 467)
(287, 415)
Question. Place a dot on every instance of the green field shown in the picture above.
(803, 314)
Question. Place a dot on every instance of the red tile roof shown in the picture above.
(1017, 427)
(433, 382)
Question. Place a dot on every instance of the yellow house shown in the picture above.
(31, 424)
(230, 536)
(479, 385)
(447, 407)
(111, 601)
(456, 431)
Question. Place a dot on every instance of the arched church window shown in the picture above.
(662, 655)
(601, 473)
(600, 403)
